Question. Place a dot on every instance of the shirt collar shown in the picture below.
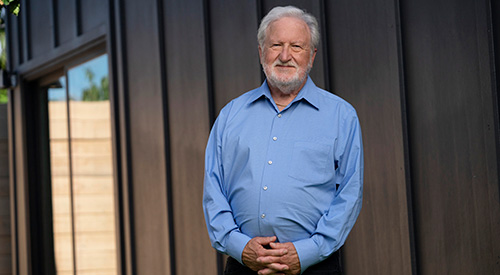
(307, 93)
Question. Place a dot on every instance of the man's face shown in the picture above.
(286, 55)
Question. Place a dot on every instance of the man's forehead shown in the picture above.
(288, 22)
(289, 27)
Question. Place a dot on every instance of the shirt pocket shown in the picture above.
(311, 162)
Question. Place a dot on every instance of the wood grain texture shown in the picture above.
(147, 138)
(187, 89)
(93, 13)
(179, 65)
(66, 24)
(39, 29)
(23, 254)
(235, 57)
(365, 72)
(83, 200)
(453, 143)
(5, 224)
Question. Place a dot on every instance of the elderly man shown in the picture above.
(284, 162)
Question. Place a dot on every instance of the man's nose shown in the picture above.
(285, 54)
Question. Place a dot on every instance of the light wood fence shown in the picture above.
(85, 225)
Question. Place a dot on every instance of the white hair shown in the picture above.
(289, 11)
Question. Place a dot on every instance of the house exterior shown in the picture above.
(102, 139)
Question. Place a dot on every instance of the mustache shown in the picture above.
(288, 63)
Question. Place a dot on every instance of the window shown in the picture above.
(82, 170)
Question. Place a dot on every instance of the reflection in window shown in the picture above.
(82, 171)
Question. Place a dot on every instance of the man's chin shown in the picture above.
(285, 75)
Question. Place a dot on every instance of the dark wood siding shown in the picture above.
(5, 236)
(92, 13)
(65, 22)
(452, 138)
(365, 70)
(187, 89)
(39, 29)
(423, 77)
(146, 138)
(234, 55)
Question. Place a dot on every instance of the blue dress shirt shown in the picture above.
(296, 174)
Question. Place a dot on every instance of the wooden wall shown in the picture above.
(452, 112)
(421, 74)
(5, 236)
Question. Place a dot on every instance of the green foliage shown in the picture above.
(3, 53)
(12, 5)
(4, 98)
(95, 92)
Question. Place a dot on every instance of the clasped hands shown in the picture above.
(265, 255)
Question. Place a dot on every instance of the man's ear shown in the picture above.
(314, 55)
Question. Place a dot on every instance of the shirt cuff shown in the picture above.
(235, 244)
(308, 253)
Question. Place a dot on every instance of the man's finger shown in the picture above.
(265, 240)
(279, 245)
(268, 259)
(269, 271)
(274, 252)
(278, 267)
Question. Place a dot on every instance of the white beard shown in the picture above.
(286, 86)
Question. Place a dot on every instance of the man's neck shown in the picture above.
(282, 99)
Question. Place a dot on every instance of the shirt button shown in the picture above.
(270, 162)
(275, 138)
(263, 215)
(279, 115)
(265, 188)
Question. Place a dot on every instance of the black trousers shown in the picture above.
(330, 266)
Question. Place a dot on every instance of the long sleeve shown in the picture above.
(224, 233)
(334, 226)
(296, 174)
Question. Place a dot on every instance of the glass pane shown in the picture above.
(92, 168)
(61, 181)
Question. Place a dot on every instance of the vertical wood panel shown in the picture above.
(313, 7)
(187, 87)
(452, 139)
(5, 236)
(93, 13)
(236, 68)
(118, 68)
(40, 31)
(24, 22)
(13, 40)
(151, 231)
(66, 26)
(23, 254)
(365, 71)
(495, 48)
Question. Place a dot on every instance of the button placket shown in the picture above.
(268, 177)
